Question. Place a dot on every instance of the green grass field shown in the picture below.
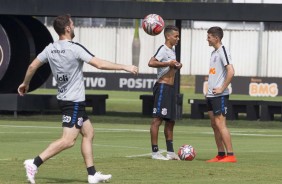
(122, 147)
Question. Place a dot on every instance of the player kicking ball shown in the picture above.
(66, 59)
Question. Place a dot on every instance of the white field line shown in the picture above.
(120, 130)
(245, 134)
(17, 126)
(145, 130)
(257, 135)
(119, 146)
(5, 159)
(10, 159)
(143, 155)
(26, 132)
(239, 133)
(100, 129)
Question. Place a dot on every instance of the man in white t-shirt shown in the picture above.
(164, 94)
(66, 59)
(221, 72)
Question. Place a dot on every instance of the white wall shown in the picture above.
(115, 44)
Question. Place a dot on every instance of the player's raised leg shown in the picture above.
(66, 141)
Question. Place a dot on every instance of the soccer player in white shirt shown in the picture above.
(164, 97)
(66, 59)
(221, 72)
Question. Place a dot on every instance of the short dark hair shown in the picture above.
(216, 31)
(61, 22)
(169, 29)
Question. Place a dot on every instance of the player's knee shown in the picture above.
(89, 134)
(156, 122)
(220, 125)
(71, 143)
(213, 125)
(169, 125)
(68, 143)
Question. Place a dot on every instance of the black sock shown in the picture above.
(91, 170)
(230, 153)
(169, 145)
(37, 161)
(155, 148)
(221, 153)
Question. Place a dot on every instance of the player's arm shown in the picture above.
(157, 64)
(107, 65)
(32, 68)
(229, 76)
(227, 81)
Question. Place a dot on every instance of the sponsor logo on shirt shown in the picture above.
(62, 77)
(62, 90)
(57, 51)
(212, 71)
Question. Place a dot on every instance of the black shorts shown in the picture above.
(73, 113)
(164, 101)
(218, 104)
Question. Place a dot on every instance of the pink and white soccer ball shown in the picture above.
(186, 152)
(153, 24)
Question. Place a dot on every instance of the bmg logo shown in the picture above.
(263, 89)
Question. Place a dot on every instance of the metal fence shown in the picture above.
(254, 52)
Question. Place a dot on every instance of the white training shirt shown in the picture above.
(66, 59)
(220, 58)
(164, 54)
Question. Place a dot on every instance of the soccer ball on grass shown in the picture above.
(186, 152)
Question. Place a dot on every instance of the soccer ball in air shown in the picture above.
(153, 24)
(186, 152)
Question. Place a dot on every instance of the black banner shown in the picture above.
(113, 81)
(253, 86)
(5, 52)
